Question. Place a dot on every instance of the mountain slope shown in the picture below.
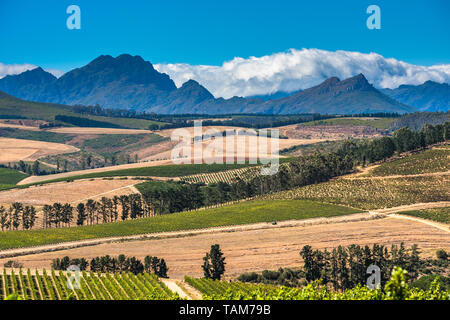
(124, 82)
(353, 95)
(29, 85)
(185, 99)
(429, 96)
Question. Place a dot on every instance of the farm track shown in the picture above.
(370, 215)
(428, 222)
(174, 287)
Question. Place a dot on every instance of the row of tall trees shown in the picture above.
(110, 264)
(16, 216)
(94, 212)
(346, 267)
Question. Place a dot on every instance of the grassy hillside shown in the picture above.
(11, 107)
(242, 213)
(379, 123)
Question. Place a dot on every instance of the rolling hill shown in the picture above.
(15, 108)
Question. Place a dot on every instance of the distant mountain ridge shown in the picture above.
(352, 95)
(129, 82)
(429, 96)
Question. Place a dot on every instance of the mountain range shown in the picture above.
(429, 96)
(129, 82)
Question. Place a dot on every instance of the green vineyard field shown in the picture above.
(224, 176)
(395, 289)
(52, 285)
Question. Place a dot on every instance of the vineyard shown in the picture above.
(230, 176)
(395, 289)
(225, 176)
(373, 193)
(435, 160)
(210, 287)
(52, 285)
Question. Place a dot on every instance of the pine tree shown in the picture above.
(214, 263)
(81, 214)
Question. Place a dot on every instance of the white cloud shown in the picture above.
(9, 69)
(299, 69)
(6, 69)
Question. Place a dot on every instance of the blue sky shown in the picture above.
(211, 32)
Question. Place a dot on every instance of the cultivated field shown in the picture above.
(85, 130)
(14, 150)
(374, 122)
(369, 193)
(331, 132)
(429, 161)
(52, 285)
(257, 250)
(68, 192)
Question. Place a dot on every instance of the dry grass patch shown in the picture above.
(14, 150)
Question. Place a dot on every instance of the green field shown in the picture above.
(11, 176)
(439, 214)
(35, 135)
(242, 213)
(379, 123)
(434, 160)
(6, 186)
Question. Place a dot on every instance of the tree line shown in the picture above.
(91, 212)
(110, 264)
(17, 215)
(346, 267)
